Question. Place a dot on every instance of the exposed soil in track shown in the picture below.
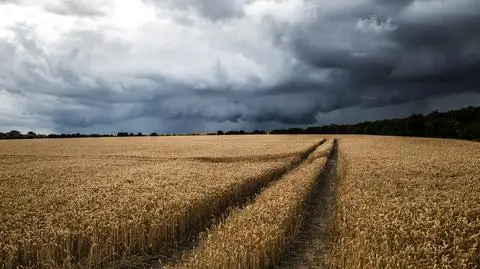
(311, 246)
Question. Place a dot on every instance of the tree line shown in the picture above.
(460, 124)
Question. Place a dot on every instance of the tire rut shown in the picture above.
(311, 246)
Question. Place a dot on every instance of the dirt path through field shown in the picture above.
(311, 245)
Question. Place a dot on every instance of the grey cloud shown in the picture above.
(210, 9)
(4, 2)
(76, 8)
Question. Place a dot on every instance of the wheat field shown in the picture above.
(396, 202)
(85, 202)
(407, 203)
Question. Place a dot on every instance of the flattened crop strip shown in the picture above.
(255, 236)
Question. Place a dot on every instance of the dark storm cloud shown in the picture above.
(235, 108)
(245, 64)
(416, 58)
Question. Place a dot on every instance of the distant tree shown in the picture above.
(139, 134)
(220, 132)
(131, 134)
(31, 135)
(313, 130)
(279, 131)
(414, 125)
(153, 134)
(14, 134)
(241, 132)
(295, 131)
(259, 132)
(471, 131)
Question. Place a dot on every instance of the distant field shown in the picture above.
(241, 202)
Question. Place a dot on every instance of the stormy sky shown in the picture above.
(201, 65)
